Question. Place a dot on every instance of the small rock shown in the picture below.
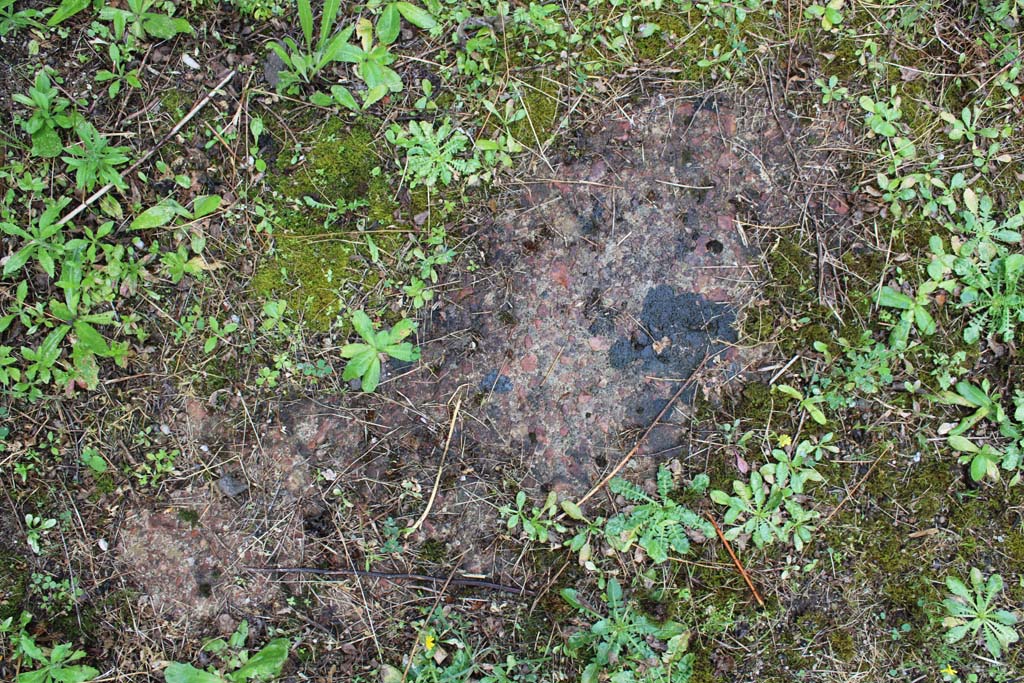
(196, 411)
(226, 625)
(272, 67)
(728, 123)
(230, 486)
(493, 382)
(560, 274)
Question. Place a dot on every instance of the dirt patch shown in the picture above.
(245, 506)
(619, 270)
(613, 277)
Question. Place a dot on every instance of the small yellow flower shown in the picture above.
(429, 642)
(785, 440)
(948, 671)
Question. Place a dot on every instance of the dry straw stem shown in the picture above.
(736, 561)
(440, 468)
(643, 437)
(397, 576)
(855, 488)
(196, 108)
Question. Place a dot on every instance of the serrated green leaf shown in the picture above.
(72, 674)
(179, 672)
(890, 298)
(371, 378)
(402, 329)
(388, 25)
(404, 351)
(265, 665)
(165, 27)
(655, 549)
(205, 204)
(360, 363)
(1005, 617)
(992, 643)
(17, 261)
(91, 339)
(46, 261)
(327, 18)
(49, 350)
(363, 326)
(66, 10)
(957, 633)
(417, 16)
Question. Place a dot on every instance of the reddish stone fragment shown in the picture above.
(560, 274)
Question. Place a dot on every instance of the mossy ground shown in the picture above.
(540, 99)
(905, 514)
(13, 585)
(321, 258)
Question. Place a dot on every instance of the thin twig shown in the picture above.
(395, 576)
(196, 108)
(736, 561)
(440, 468)
(552, 366)
(430, 616)
(855, 488)
(643, 437)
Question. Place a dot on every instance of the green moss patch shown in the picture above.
(540, 98)
(319, 259)
(676, 46)
(13, 584)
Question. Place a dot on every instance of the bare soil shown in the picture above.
(607, 280)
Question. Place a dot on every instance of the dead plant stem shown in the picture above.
(440, 469)
(643, 437)
(736, 561)
(196, 108)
